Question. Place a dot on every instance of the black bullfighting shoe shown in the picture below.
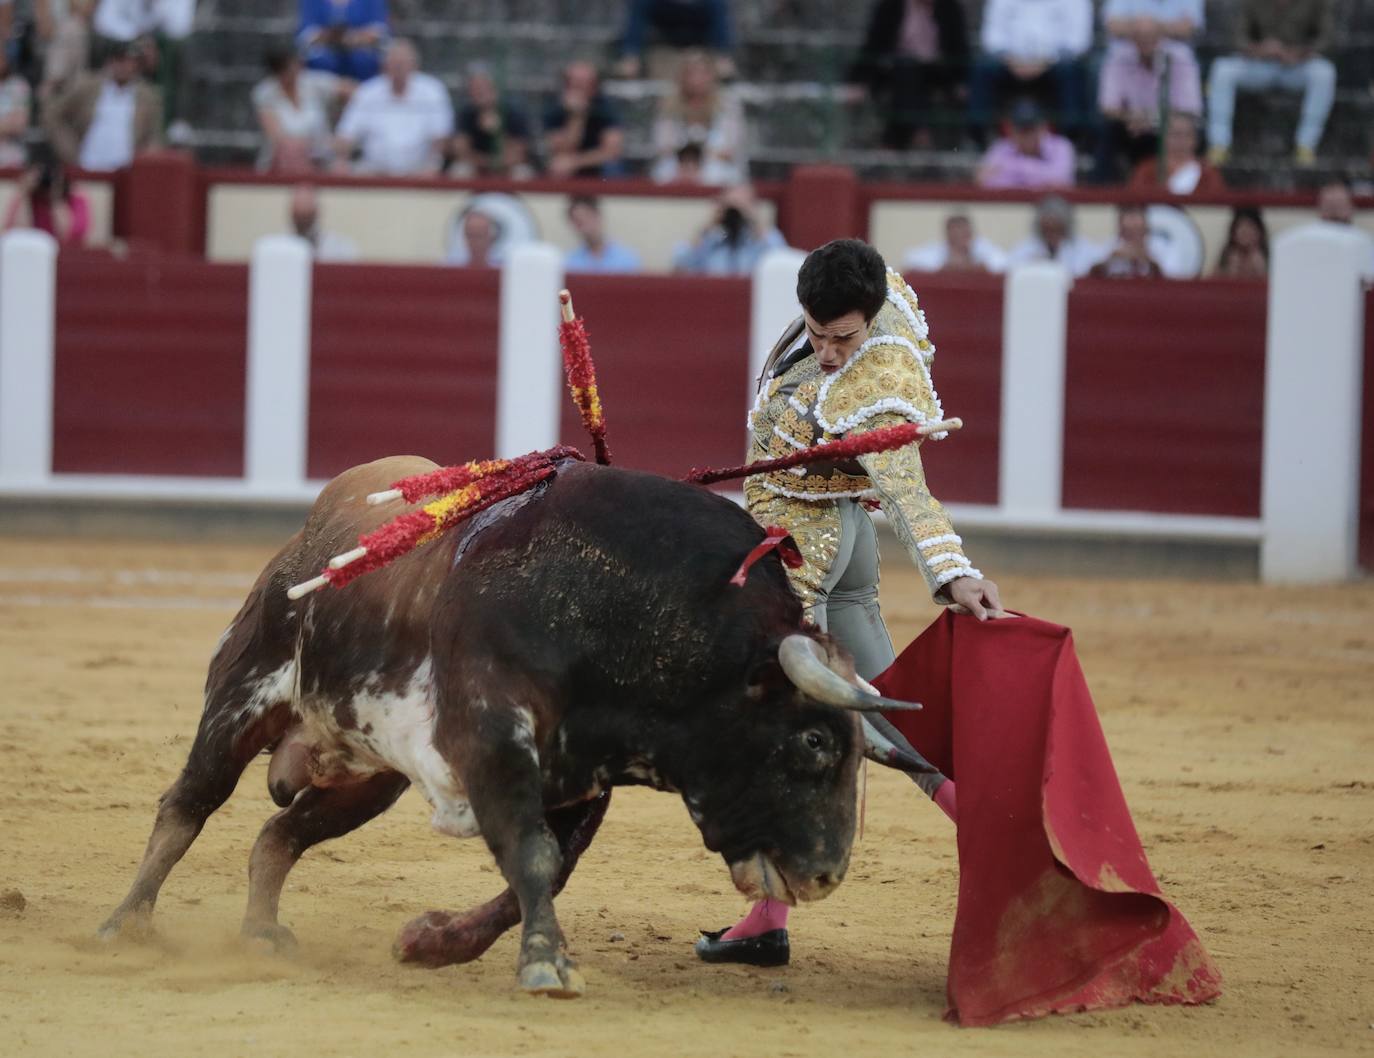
(766, 949)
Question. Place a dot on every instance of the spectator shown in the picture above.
(1336, 205)
(293, 106)
(67, 51)
(1278, 42)
(305, 222)
(1184, 173)
(14, 114)
(1130, 257)
(1134, 76)
(688, 164)
(343, 37)
(479, 240)
(960, 251)
(1052, 239)
(680, 24)
(582, 133)
(913, 49)
(1246, 253)
(160, 28)
(493, 138)
(732, 242)
(1030, 156)
(1036, 46)
(45, 200)
(103, 120)
(401, 119)
(596, 252)
(700, 112)
(509, 224)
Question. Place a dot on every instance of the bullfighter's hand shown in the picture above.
(977, 597)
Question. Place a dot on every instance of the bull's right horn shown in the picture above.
(803, 660)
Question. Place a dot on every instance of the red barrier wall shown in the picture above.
(149, 377)
(1367, 440)
(1164, 397)
(965, 318)
(403, 361)
(672, 364)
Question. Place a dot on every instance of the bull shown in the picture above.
(579, 636)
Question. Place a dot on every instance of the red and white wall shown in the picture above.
(1208, 410)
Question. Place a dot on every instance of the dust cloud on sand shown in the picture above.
(1241, 720)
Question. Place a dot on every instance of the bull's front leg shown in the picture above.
(501, 769)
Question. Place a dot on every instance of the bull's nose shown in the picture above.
(826, 881)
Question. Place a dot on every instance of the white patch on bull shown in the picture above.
(279, 685)
(396, 730)
(524, 732)
(223, 638)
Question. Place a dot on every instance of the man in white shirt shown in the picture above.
(398, 119)
(305, 222)
(1052, 239)
(959, 251)
(1034, 47)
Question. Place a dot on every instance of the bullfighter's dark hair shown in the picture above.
(843, 276)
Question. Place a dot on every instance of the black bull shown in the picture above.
(589, 639)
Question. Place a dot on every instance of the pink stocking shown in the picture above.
(764, 916)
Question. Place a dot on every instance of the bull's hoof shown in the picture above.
(272, 937)
(557, 980)
(133, 926)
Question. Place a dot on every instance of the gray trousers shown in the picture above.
(847, 607)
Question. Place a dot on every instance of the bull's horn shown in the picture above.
(803, 660)
(884, 744)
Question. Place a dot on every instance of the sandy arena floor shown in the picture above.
(1242, 722)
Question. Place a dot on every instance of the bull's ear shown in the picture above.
(766, 680)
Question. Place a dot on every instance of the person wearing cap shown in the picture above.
(104, 119)
(1030, 156)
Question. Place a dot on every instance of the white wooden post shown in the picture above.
(1313, 368)
(772, 306)
(277, 416)
(28, 287)
(529, 388)
(1034, 334)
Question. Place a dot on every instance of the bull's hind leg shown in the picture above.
(441, 938)
(317, 814)
(222, 749)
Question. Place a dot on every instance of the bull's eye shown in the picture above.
(814, 740)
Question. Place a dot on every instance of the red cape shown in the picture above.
(1058, 908)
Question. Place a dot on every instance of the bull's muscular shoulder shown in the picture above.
(341, 513)
(357, 482)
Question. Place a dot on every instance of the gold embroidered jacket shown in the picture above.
(885, 382)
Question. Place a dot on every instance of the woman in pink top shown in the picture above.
(45, 200)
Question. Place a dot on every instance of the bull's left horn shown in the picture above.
(803, 660)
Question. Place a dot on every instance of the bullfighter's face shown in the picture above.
(836, 341)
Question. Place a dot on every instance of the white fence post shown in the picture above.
(28, 287)
(1313, 367)
(529, 388)
(772, 305)
(277, 415)
(1034, 335)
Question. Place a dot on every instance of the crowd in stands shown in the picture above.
(1105, 75)
(1049, 92)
